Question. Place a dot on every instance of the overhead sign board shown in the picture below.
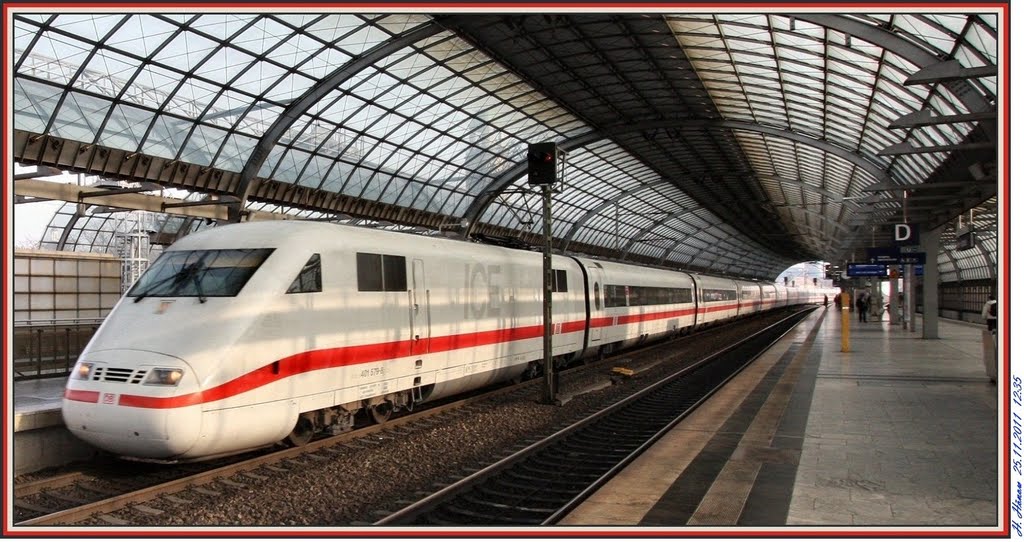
(866, 270)
(876, 270)
(893, 256)
(908, 258)
(898, 271)
(965, 239)
(884, 255)
(905, 234)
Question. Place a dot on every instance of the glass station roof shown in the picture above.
(405, 110)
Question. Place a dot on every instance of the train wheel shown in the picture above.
(382, 412)
(303, 432)
(532, 370)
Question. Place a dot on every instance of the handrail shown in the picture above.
(58, 322)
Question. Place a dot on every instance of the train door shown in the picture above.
(593, 278)
(698, 299)
(596, 279)
(419, 309)
(596, 309)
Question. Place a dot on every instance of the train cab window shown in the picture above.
(199, 273)
(380, 272)
(309, 278)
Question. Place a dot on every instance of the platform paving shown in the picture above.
(899, 432)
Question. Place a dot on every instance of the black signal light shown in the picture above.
(542, 163)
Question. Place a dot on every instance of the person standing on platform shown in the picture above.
(990, 312)
(839, 301)
(862, 309)
(826, 301)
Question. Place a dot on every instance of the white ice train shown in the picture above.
(242, 336)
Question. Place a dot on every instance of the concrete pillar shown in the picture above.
(930, 242)
(894, 307)
(910, 279)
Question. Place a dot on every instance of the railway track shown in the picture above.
(543, 482)
(96, 493)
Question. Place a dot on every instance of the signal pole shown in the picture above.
(550, 394)
(543, 160)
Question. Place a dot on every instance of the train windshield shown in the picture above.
(199, 273)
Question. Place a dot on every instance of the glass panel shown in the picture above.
(309, 279)
(369, 272)
(79, 117)
(34, 103)
(199, 273)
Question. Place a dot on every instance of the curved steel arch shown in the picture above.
(875, 35)
(607, 203)
(640, 234)
(750, 268)
(735, 256)
(311, 97)
(957, 270)
(643, 232)
(673, 246)
(70, 226)
(821, 216)
(914, 53)
(487, 196)
(834, 196)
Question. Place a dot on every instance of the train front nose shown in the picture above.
(134, 403)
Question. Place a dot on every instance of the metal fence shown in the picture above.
(49, 348)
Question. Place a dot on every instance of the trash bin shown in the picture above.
(989, 344)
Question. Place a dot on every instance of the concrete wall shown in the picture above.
(41, 440)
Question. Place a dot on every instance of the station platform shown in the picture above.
(899, 433)
(37, 403)
(40, 438)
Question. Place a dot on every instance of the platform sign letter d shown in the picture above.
(905, 234)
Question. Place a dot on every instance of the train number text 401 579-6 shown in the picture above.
(371, 372)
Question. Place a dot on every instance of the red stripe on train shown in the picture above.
(83, 396)
(332, 358)
(353, 355)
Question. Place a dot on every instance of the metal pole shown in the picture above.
(893, 297)
(844, 336)
(930, 285)
(550, 381)
(911, 296)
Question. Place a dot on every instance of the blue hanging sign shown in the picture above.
(866, 270)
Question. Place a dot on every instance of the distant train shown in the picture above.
(242, 336)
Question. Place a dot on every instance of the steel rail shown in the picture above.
(415, 512)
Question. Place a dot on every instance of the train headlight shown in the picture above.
(82, 371)
(164, 377)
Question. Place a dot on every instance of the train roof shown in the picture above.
(285, 233)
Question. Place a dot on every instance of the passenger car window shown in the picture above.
(380, 272)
